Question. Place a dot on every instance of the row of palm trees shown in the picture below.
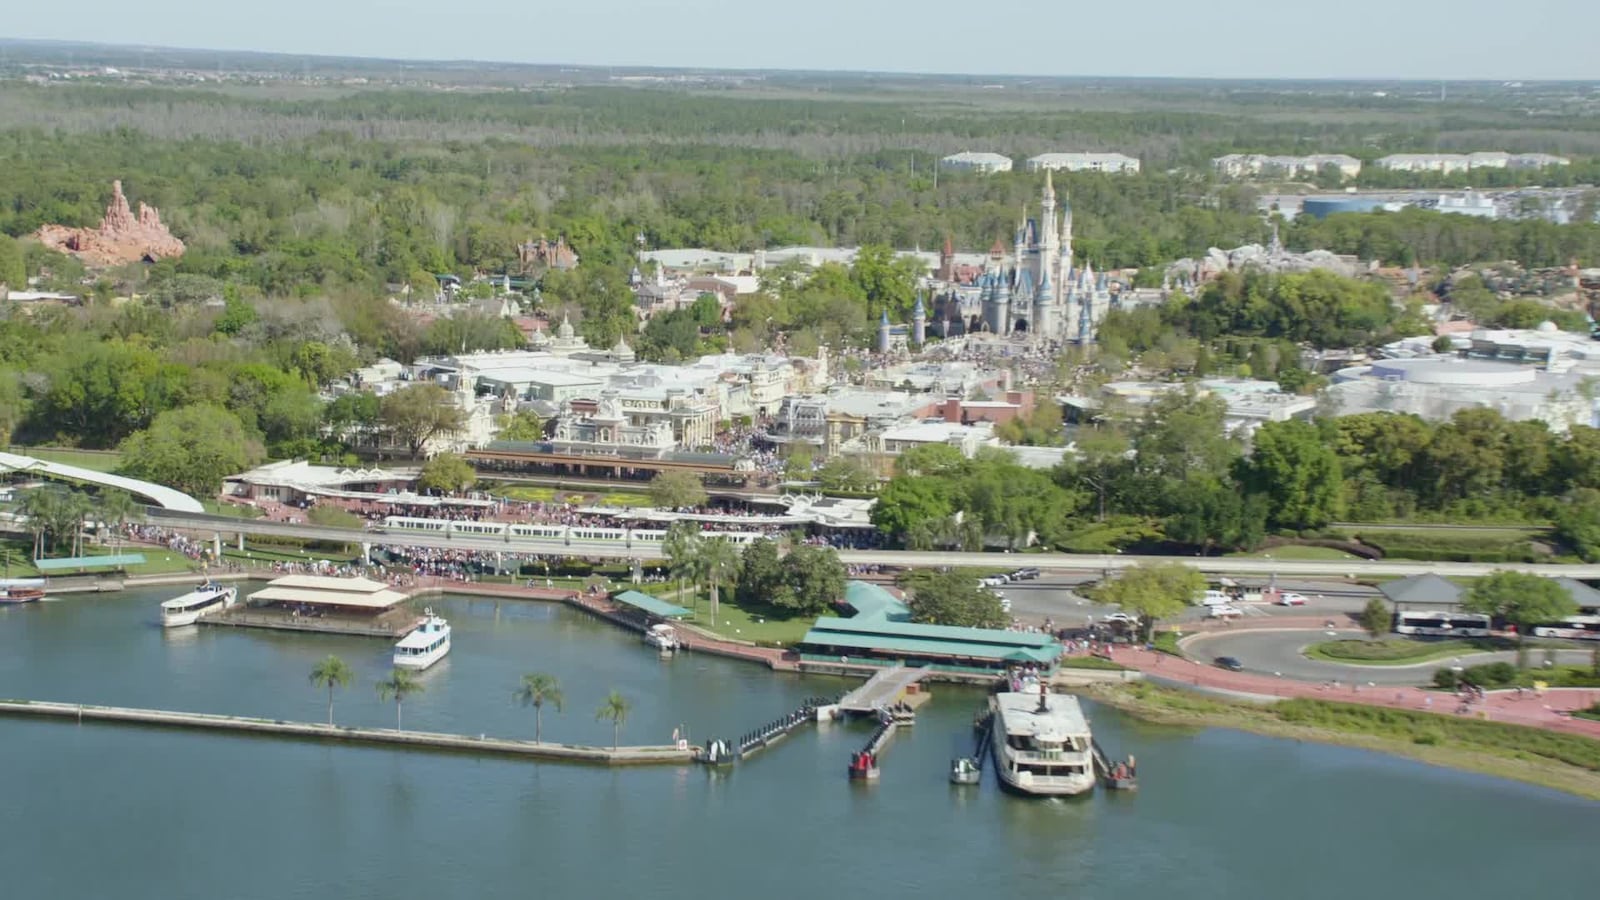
(55, 513)
(537, 690)
(700, 560)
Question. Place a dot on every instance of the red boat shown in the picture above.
(21, 595)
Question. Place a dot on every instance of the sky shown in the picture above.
(1424, 39)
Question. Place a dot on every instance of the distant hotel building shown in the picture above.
(1083, 162)
(1452, 163)
(983, 163)
(1236, 165)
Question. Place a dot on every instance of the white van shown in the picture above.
(1215, 598)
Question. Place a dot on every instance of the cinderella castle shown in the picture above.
(1044, 295)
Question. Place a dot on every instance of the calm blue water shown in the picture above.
(97, 811)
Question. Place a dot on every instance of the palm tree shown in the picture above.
(614, 710)
(331, 673)
(400, 684)
(681, 546)
(536, 691)
(718, 563)
(78, 508)
(117, 508)
(38, 506)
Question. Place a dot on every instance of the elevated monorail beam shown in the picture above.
(901, 558)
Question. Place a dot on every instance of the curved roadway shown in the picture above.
(907, 558)
(1278, 652)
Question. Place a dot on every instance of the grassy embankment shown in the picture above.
(536, 494)
(98, 460)
(1398, 651)
(1550, 759)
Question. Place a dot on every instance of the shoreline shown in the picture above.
(1180, 707)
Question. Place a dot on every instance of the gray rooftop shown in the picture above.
(1428, 588)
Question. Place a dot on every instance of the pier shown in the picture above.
(414, 740)
(778, 729)
(885, 688)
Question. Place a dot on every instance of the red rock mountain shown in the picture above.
(121, 238)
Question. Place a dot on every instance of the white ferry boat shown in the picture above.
(198, 603)
(425, 646)
(663, 637)
(1042, 743)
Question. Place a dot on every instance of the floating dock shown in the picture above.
(416, 740)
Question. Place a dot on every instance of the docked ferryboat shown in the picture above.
(425, 646)
(198, 603)
(14, 594)
(1042, 743)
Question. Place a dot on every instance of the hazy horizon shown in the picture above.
(1227, 39)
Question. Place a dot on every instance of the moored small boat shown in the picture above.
(965, 770)
(663, 637)
(863, 766)
(14, 594)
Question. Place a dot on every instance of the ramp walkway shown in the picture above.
(882, 689)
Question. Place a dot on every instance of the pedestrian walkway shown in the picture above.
(1549, 710)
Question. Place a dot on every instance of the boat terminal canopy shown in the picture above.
(652, 605)
(989, 647)
(318, 590)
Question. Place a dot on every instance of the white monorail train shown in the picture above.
(567, 534)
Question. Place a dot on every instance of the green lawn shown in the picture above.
(527, 493)
(626, 499)
(98, 460)
(1394, 651)
(740, 624)
(1297, 551)
(158, 560)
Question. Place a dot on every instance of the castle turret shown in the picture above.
(1066, 233)
(947, 261)
(1047, 221)
(883, 333)
(1039, 323)
(919, 323)
(1002, 305)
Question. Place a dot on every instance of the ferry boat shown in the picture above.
(1042, 743)
(16, 594)
(662, 637)
(425, 646)
(202, 601)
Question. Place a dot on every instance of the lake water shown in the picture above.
(99, 811)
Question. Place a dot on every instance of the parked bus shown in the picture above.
(1442, 624)
(1575, 628)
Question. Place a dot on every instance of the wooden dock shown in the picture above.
(394, 624)
(884, 688)
(413, 740)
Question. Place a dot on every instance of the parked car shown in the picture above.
(1290, 598)
(1027, 574)
(1223, 612)
(992, 581)
(1122, 618)
(1230, 663)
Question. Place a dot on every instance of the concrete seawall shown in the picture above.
(417, 740)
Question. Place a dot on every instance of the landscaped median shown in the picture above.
(1398, 651)
(1565, 762)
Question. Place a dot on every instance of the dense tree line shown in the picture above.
(1172, 475)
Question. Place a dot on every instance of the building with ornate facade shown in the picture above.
(1044, 294)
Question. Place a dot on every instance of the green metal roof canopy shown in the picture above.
(652, 605)
(79, 563)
